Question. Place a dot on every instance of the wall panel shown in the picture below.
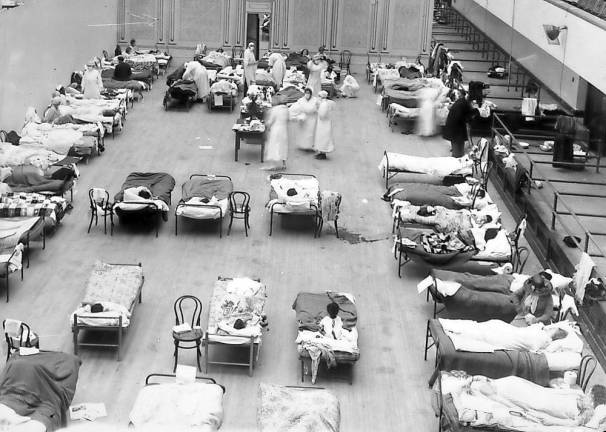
(353, 25)
(199, 21)
(305, 23)
(61, 36)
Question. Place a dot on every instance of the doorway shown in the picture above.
(595, 117)
(258, 30)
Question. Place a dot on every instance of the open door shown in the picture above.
(253, 31)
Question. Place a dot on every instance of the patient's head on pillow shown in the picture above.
(96, 308)
(333, 309)
(145, 194)
(557, 333)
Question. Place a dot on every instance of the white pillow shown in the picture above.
(558, 281)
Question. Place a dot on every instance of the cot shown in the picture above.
(36, 390)
(293, 408)
(515, 405)
(434, 169)
(129, 206)
(117, 287)
(181, 92)
(29, 204)
(236, 300)
(81, 140)
(109, 112)
(295, 194)
(57, 180)
(204, 197)
(310, 308)
(165, 405)
(535, 367)
(223, 94)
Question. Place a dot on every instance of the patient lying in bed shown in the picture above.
(517, 404)
(140, 194)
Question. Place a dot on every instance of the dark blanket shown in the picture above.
(297, 60)
(183, 89)
(26, 178)
(401, 97)
(40, 386)
(177, 74)
(288, 95)
(160, 184)
(110, 83)
(205, 187)
(311, 308)
(478, 305)
(426, 194)
(492, 283)
(501, 363)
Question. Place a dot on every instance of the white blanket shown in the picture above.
(202, 210)
(178, 407)
(438, 166)
(132, 199)
(347, 343)
(489, 336)
(306, 193)
(109, 316)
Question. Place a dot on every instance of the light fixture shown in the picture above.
(553, 33)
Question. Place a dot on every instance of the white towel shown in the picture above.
(582, 275)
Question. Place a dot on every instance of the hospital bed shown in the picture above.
(305, 201)
(457, 196)
(535, 367)
(118, 288)
(166, 404)
(293, 408)
(181, 92)
(236, 299)
(57, 181)
(81, 140)
(310, 308)
(431, 170)
(515, 405)
(131, 207)
(204, 197)
(223, 94)
(108, 112)
(36, 391)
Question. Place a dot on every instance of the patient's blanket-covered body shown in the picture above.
(438, 166)
(205, 197)
(160, 185)
(292, 409)
(178, 407)
(290, 194)
(40, 387)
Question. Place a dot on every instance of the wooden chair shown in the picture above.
(586, 370)
(191, 339)
(100, 206)
(18, 334)
(237, 56)
(3, 136)
(345, 61)
(239, 208)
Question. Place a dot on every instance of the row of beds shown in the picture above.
(481, 295)
(41, 171)
(36, 390)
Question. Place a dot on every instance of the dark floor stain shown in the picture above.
(355, 238)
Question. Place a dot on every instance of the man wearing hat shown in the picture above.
(250, 66)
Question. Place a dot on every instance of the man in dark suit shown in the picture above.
(455, 130)
(123, 71)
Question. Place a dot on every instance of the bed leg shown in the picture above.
(6, 279)
(399, 263)
(176, 222)
(302, 370)
(337, 229)
(221, 227)
(119, 336)
(251, 358)
(75, 332)
(433, 377)
(198, 355)
(271, 221)
(206, 354)
(176, 355)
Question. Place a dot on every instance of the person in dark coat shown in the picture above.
(455, 130)
(123, 71)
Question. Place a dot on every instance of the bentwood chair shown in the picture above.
(3, 136)
(345, 61)
(184, 307)
(586, 370)
(100, 206)
(18, 334)
(239, 208)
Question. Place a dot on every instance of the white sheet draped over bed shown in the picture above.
(438, 166)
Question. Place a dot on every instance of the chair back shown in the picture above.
(17, 334)
(345, 59)
(98, 199)
(3, 136)
(239, 201)
(185, 304)
(586, 370)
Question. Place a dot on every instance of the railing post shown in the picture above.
(555, 202)
(586, 241)
(553, 219)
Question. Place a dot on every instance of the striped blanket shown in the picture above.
(32, 204)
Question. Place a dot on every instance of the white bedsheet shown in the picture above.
(178, 408)
(348, 343)
(438, 166)
(307, 195)
(109, 316)
(17, 423)
(203, 210)
(495, 249)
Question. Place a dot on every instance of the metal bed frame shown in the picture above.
(314, 210)
(182, 203)
(118, 329)
(232, 101)
(247, 341)
(150, 378)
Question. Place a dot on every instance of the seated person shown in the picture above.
(53, 114)
(535, 299)
(332, 324)
(123, 71)
(128, 52)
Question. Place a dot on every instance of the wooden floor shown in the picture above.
(389, 390)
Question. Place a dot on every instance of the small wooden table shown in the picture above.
(258, 137)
